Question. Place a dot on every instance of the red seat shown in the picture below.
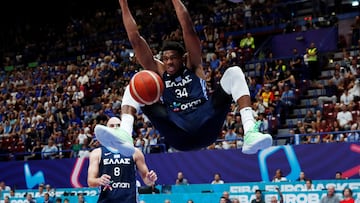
(6, 142)
(20, 149)
(327, 108)
(10, 149)
(330, 116)
(355, 114)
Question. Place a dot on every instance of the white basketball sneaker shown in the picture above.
(255, 141)
(115, 139)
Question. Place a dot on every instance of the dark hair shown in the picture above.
(258, 191)
(350, 191)
(173, 45)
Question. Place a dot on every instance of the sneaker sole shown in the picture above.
(107, 139)
(260, 144)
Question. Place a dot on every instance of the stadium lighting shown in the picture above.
(355, 3)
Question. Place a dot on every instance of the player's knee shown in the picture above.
(234, 71)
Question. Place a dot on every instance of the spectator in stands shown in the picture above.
(6, 199)
(325, 127)
(309, 119)
(47, 198)
(289, 79)
(124, 54)
(81, 198)
(238, 125)
(296, 65)
(75, 148)
(313, 62)
(279, 176)
(12, 193)
(255, 88)
(247, 44)
(318, 118)
(287, 103)
(230, 138)
(353, 66)
(259, 107)
(290, 139)
(226, 196)
(354, 91)
(84, 151)
(258, 197)
(264, 123)
(50, 191)
(153, 137)
(280, 68)
(215, 62)
(344, 117)
(308, 185)
(313, 137)
(346, 98)
(353, 136)
(181, 180)
(235, 200)
(39, 195)
(217, 179)
(82, 136)
(339, 176)
(267, 95)
(274, 198)
(4, 187)
(222, 200)
(337, 136)
(331, 92)
(302, 177)
(29, 198)
(347, 196)
(330, 196)
(315, 105)
(49, 151)
(35, 151)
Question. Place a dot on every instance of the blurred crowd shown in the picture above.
(56, 87)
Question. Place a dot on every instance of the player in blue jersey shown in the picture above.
(187, 117)
(115, 173)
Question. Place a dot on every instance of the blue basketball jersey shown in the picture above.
(122, 187)
(187, 117)
(184, 94)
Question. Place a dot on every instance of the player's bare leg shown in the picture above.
(234, 83)
(119, 139)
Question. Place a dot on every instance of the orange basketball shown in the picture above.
(146, 87)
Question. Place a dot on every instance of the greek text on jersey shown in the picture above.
(116, 161)
(181, 83)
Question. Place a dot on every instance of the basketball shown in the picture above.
(146, 87)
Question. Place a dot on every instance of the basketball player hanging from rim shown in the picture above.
(186, 117)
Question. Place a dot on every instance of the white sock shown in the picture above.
(247, 119)
(127, 123)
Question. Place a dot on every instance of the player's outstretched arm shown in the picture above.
(191, 40)
(142, 50)
(149, 177)
(93, 170)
